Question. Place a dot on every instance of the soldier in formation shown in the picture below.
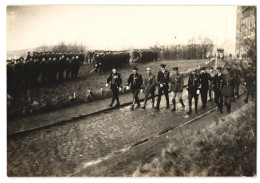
(144, 55)
(103, 60)
(42, 69)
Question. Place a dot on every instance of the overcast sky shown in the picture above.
(117, 27)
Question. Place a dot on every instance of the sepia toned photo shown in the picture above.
(131, 91)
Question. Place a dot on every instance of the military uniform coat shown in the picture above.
(149, 83)
(176, 83)
(136, 81)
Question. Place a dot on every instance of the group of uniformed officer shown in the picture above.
(225, 86)
(144, 55)
(42, 68)
(104, 60)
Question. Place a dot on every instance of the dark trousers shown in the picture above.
(204, 96)
(135, 96)
(115, 94)
(190, 97)
(218, 98)
(165, 90)
(67, 74)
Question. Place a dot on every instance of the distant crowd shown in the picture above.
(42, 68)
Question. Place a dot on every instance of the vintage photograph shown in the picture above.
(131, 91)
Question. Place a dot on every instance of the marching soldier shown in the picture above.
(116, 85)
(228, 88)
(193, 90)
(212, 74)
(237, 75)
(250, 82)
(136, 82)
(149, 86)
(204, 81)
(176, 87)
(217, 87)
(163, 80)
(68, 67)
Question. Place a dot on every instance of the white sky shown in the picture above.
(116, 27)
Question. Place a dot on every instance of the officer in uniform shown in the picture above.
(163, 78)
(250, 82)
(176, 87)
(217, 87)
(136, 82)
(149, 86)
(204, 81)
(116, 85)
(193, 90)
(212, 74)
(228, 88)
(237, 75)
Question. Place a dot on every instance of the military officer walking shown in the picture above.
(237, 75)
(204, 81)
(149, 86)
(163, 80)
(116, 85)
(135, 80)
(228, 88)
(212, 74)
(176, 87)
(250, 82)
(217, 87)
(193, 90)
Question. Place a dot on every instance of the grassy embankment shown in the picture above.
(226, 149)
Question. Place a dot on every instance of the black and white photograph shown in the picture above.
(128, 91)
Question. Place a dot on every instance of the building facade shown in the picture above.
(245, 30)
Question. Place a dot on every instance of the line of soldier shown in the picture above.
(41, 69)
(144, 55)
(225, 86)
(105, 59)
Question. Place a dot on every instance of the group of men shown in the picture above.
(144, 55)
(225, 86)
(42, 68)
(104, 60)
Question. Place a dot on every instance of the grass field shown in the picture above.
(226, 149)
(62, 95)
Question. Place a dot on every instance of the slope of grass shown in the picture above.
(226, 149)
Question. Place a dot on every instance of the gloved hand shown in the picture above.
(198, 91)
(161, 85)
(107, 85)
(119, 88)
(142, 90)
(127, 87)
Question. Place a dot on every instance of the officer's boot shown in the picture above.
(174, 105)
(226, 104)
(153, 102)
(138, 103)
(181, 101)
(246, 100)
(196, 106)
(190, 110)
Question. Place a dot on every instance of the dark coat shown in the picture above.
(163, 78)
(193, 83)
(218, 82)
(115, 79)
(136, 81)
(176, 83)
